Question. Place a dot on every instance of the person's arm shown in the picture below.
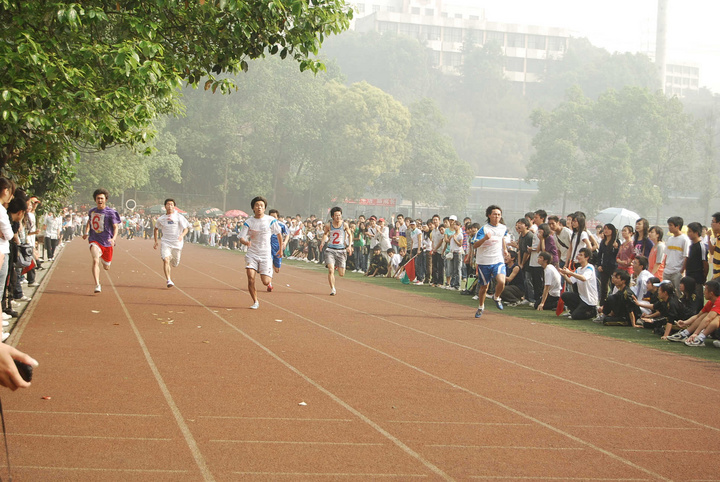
(155, 237)
(116, 227)
(512, 276)
(546, 290)
(349, 236)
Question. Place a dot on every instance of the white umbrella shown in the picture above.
(618, 217)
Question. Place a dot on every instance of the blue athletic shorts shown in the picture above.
(277, 261)
(486, 272)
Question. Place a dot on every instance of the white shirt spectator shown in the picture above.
(677, 248)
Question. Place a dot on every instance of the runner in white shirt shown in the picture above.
(255, 234)
(489, 243)
(174, 227)
(337, 239)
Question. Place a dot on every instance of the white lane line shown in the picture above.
(532, 340)
(282, 419)
(491, 477)
(44, 435)
(297, 442)
(85, 414)
(330, 474)
(503, 447)
(402, 446)
(90, 469)
(494, 424)
(436, 377)
(182, 425)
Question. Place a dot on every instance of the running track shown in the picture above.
(149, 383)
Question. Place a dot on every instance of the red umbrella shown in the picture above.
(236, 213)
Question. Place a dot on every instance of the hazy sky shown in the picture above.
(625, 26)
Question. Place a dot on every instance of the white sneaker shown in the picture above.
(476, 297)
(332, 292)
(5, 323)
(98, 289)
(5, 336)
(170, 284)
(5, 316)
(25, 298)
(255, 305)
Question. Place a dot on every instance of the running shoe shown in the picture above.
(332, 292)
(5, 316)
(677, 337)
(694, 342)
(269, 287)
(98, 289)
(255, 305)
(5, 336)
(499, 304)
(25, 298)
(170, 284)
(5, 323)
(479, 312)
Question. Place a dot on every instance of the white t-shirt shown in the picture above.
(395, 261)
(552, 279)
(491, 251)
(564, 236)
(641, 284)
(587, 289)
(575, 241)
(171, 227)
(414, 235)
(535, 251)
(258, 231)
(677, 248)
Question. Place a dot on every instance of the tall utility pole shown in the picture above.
(661, 41)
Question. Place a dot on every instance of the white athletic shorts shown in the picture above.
(263, 266)
(335, 257)
(172, 253)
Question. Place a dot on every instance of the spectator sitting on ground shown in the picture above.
(642, 275)
(582, 305)
(552, 286)
(648, 301)
(695, 329)
(619, 308)
(514, 291)
(378, 263)
(691, 303)
(667, 309)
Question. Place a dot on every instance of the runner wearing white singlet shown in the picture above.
(174, 227)
(255, 234)
(337, 240)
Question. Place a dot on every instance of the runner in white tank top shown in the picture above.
(337, 241)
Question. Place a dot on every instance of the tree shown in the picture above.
(96, 74)
(118, 169)
(432, 172)
(625, 148)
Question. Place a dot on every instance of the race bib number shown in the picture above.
(335, 238)
(97, 222)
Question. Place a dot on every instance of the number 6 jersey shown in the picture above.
(102, 225)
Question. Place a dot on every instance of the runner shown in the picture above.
(173, 227)
(491, 250)
(102, 228)
(275, 244)
(255, 234)
(338, 241)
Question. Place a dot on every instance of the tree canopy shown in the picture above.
(96, 73)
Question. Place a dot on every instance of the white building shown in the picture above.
(445, 29)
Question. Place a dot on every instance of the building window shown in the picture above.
(556, 44)
(474, 17)
(384, 27)
(497, 38)
(516, 40)
(376, 8)
(474, 37)
(452, 59)
(430, 32)
(409, 29)
(514, 64)
(434, 58)
(361, 8)
(453, 34)
(535, 66)
(536, 42)
(391, 9)
(458, 15)
(429, 12)
(415, 10)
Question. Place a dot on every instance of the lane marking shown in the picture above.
(147, 439)
(182, 425)
(405, 448)
(283, 419)
(84, 414)
(420, 370)
(328, 474)
(513, 335)
(91, 469)
(297, 442)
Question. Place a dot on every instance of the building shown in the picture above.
(681, 79)
(446, 30)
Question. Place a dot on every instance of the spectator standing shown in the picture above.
(438, 247)
(562, 237)
(607, 258)
(642, 244)
(697, 263)
(677, 249)
(626, 253)
(656, 263)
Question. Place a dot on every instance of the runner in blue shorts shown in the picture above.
(275, 243)
(490, 252)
